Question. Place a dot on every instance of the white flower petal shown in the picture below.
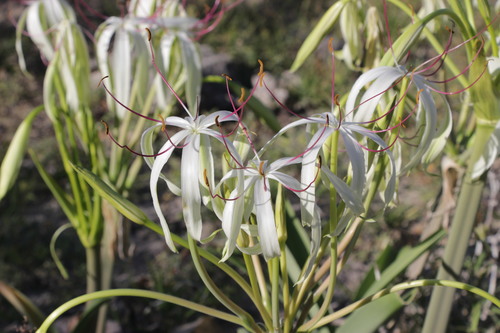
(37, 32)
(287, 181)
(121, 69)
(147, 149)
(357, 158)
(184, 123)
(305, 121)
(309, 173)
(365, 110)
(351, 199)
(284, 161)
(440, 137)
(206, 167)
(190, 186)
(265, 219)
(430, 120)
(233, 217)
(390, 190)
(158, 164)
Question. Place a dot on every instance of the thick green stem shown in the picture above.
(93, 257)
(94, 283)
(248, 321)
(461, 229)
(274, 265)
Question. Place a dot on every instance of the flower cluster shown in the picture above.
(365, 128)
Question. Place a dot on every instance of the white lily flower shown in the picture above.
(196, 162)
(253, 194)
(350, 132)
(52, 26)
(197, 166)
(381, 80)
(126, 39)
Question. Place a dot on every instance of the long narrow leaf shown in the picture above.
(23, 305)
(63, 199)
(405, 257)
(15, 153)
(324, 25)
(371, 316)
(124, 206)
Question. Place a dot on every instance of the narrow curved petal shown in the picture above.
(233, 216)
(308, 175)
(190, 186)
(265, 219)
(121, 69)
(206, 167)
(178, 122)
(284, 161)
(390, 190)
(37, 31)
(430, 128)
(288, 181)
(384, 77)
(164, 51)
(147, 149)
(305, 121)
(158, 165)
(440, 137)
(192, 64)
(357, 158)
(351, 199)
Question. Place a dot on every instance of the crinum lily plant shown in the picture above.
(249, 199)
(289, 218)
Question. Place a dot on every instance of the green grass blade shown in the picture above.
(312, 41)
(371, 316)
(15, 153)
(63, 199)
(405, 257)
(384, 260)
(124, 206)
(23, 305)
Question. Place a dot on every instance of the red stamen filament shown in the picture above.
(163, 78)
(130, 149)
(123, 105)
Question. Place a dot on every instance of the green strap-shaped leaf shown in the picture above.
(371, 316)
(53, 252)
(88, 319)
(124, 206)
(405, 257)
(63, 199)
(23, 305)
(318, 33)
(13, 158)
